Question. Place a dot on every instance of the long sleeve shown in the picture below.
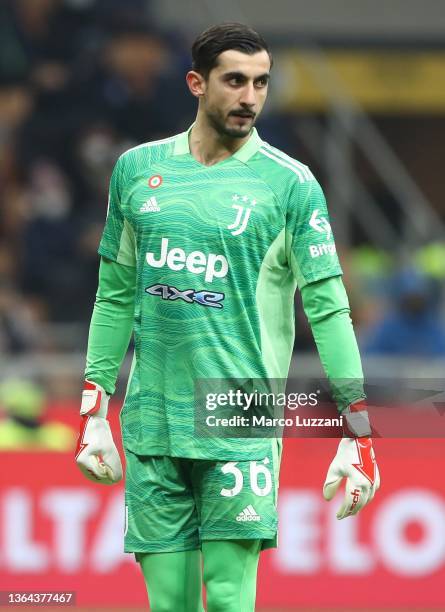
(327, 308)
(111, 323)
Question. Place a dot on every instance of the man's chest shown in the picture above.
(206, 204)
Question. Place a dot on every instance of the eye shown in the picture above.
(262, 82)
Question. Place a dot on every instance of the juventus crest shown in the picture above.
(243, 206)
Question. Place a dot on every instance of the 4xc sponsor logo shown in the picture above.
(196, 262)
(203, 297)
(242, 215)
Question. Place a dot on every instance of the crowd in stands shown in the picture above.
(80, 82)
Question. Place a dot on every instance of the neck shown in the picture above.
(208, 146)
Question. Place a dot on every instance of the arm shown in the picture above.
(312, 258)
(111, 323)
(110, 332)
(326, 305)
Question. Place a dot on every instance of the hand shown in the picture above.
(355, 461)
(96, 453)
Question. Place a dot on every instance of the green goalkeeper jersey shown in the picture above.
(218, 252)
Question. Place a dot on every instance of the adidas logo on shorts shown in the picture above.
(248, 514)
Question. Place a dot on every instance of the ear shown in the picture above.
(196, 83)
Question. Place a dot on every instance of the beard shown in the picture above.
(219, 124)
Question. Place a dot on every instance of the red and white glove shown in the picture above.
(355, 461)
(96, 453)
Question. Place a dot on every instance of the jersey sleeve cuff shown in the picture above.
(320, 275)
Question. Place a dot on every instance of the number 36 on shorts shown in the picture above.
(259, 478)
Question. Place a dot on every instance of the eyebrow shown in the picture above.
(234, 74)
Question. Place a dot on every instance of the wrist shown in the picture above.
(94, 400)
(356, 422)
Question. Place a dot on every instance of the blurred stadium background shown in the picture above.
(358, 94)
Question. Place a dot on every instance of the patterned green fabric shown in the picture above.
(218, 253)
(174, 504)
(111, 324)
(327, 309)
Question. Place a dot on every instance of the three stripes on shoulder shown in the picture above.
(302, 171)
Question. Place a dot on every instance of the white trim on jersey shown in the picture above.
(295, 169)
(290, 160)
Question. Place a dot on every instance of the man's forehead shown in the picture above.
(237, 61)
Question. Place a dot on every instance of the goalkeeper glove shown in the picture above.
(355, 461)
(96, 453)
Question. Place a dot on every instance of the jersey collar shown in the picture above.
(248, 149)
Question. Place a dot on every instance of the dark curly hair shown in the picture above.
(218, 38)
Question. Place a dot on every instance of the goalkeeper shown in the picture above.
(208, 234)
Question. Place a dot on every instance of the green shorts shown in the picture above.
(173, 504)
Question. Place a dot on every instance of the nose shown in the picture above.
(248, 95)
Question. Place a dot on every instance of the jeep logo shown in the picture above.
(214, 266)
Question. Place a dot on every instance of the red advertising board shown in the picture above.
(60, 532)
(390, 555)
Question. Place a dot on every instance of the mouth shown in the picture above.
(242, 115)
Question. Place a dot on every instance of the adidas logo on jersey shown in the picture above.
(248, 514)
(150, 205)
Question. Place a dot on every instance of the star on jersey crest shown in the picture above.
(245, 198)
